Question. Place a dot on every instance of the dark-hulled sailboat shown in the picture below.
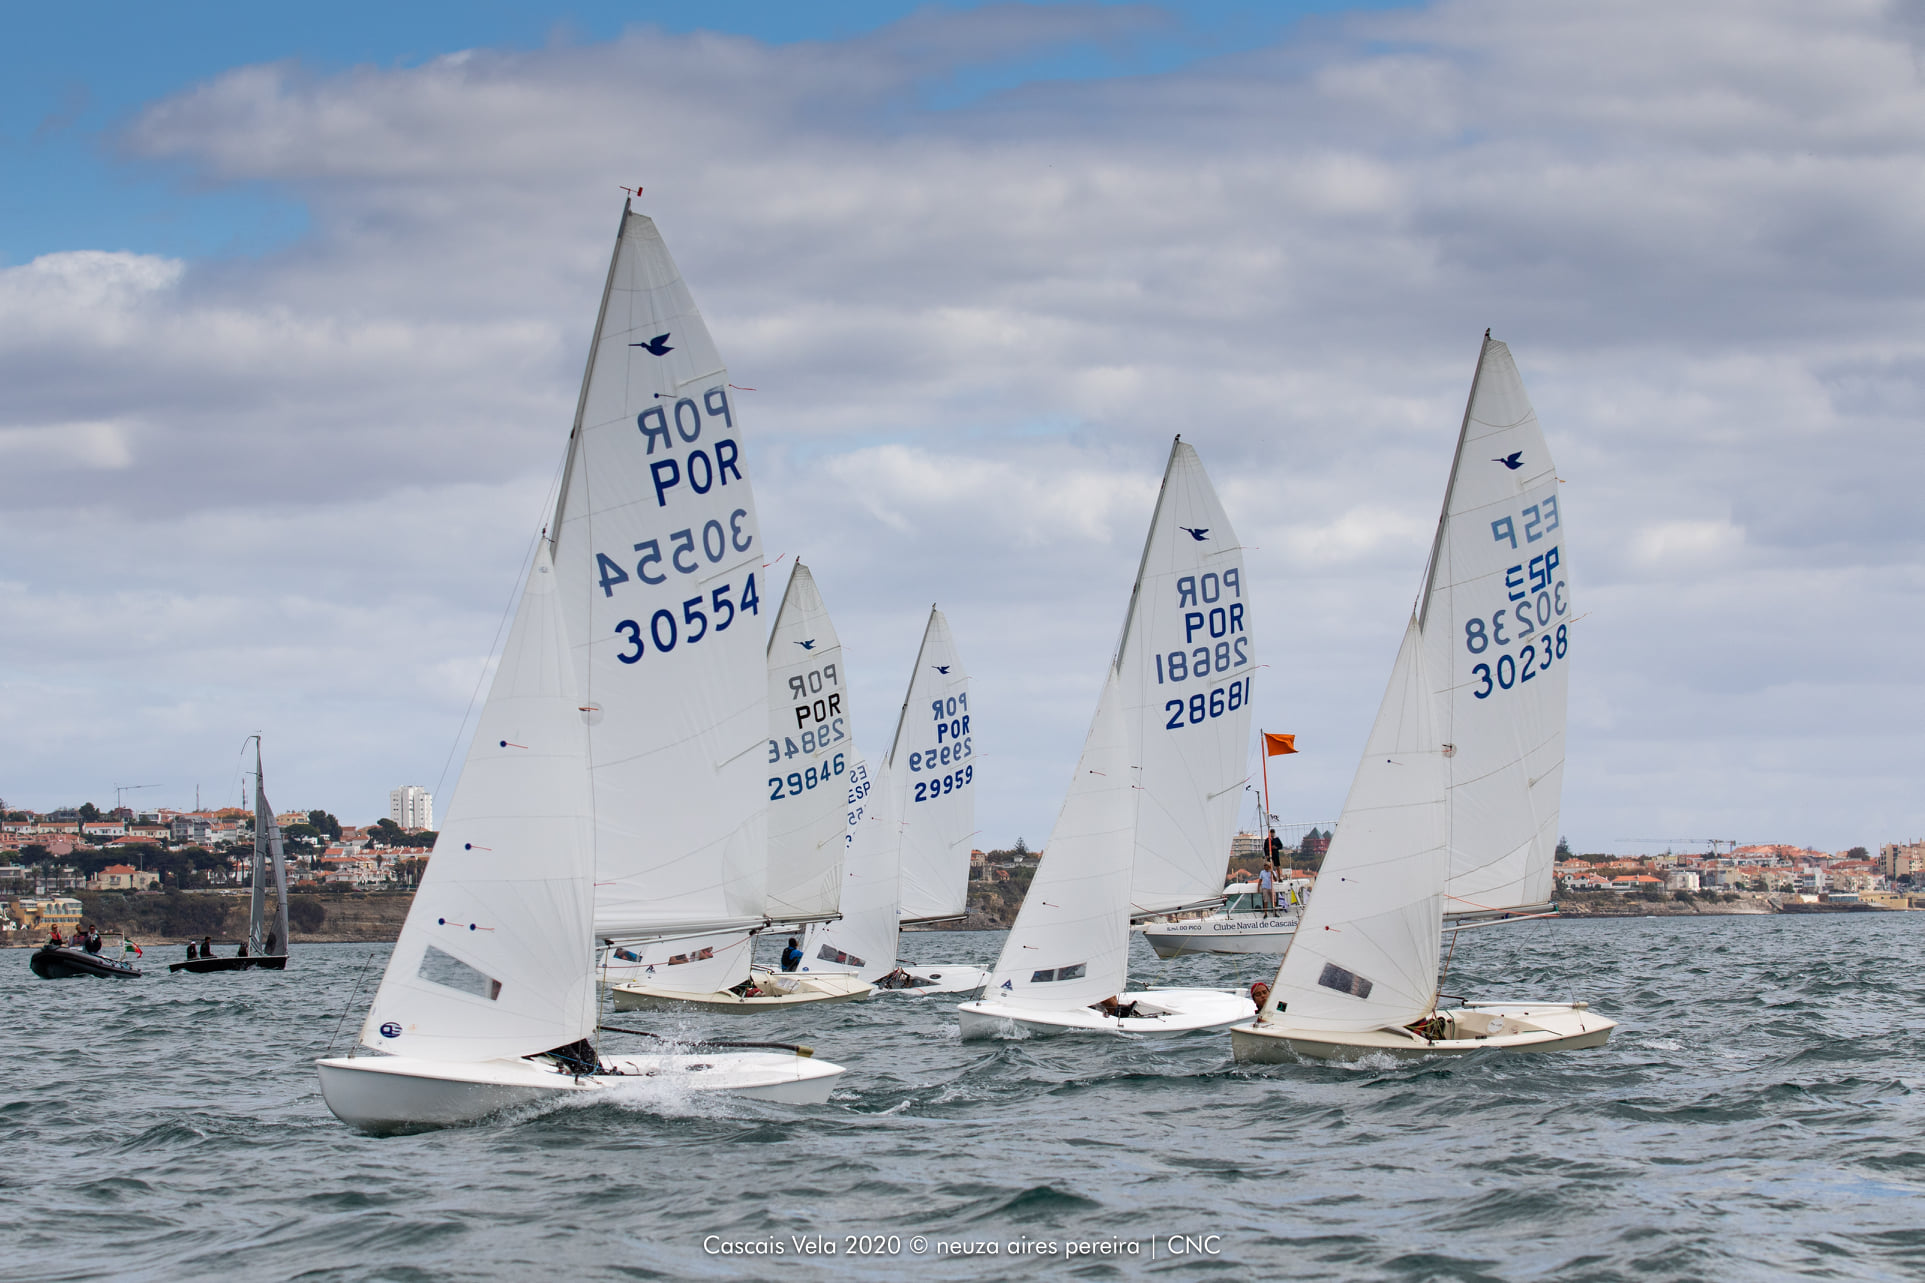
(266, 950)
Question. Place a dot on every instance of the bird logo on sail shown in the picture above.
(1198, 533)
(1514, 460)
(941, 668)
(657, 346)
(807, 645)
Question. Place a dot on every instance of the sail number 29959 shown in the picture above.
(1203, 706)
(701, 617)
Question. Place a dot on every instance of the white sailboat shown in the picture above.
(909, 847)
(1454, 808)
(612, 788)
(810, 746)
(1145, 827)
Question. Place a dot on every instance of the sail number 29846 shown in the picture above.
(1204, 706)
(701, 617)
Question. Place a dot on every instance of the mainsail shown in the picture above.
(810, 745)
(862, 941)
(1496, 614)
(261, 939)
(1365, 953)
(932, 763)
(495, 958)
(660, 559)
(1185, 663)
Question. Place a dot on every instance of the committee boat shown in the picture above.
(1145, 826)
(1242, 925)
(612, 791)
(1454, 807)
(267, 942)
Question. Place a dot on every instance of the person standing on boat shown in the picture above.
(1273, 851)
(792, 956)
(1267, 891)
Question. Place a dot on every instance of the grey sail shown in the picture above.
(267, 852)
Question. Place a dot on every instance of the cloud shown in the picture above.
(974, 331)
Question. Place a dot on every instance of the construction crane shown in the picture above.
(121, 790)
(1729, 844)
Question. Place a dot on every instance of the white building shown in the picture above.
(411, 806)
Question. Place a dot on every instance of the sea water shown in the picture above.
(1757, 1115)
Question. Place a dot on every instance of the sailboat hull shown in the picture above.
(388, 1094)
(940, 978)
(640, 997)
(202, 966)
(1481, 1026)
(1167, 1013)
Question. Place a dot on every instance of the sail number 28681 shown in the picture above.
(1204, 706)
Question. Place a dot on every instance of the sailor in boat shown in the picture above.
(88, 939)
(207, 946)
(193, 952)
(1259, 994)
(792, 956)
(1267, 892)
(1111, 1007)
(1273, 849)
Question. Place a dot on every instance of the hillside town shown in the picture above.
(47, 859)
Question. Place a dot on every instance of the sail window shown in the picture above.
(1335, 977)
(446, 969)
(1075, 972)
(829, 953)
(1038, 977)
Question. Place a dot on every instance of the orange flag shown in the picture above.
(1278, 745)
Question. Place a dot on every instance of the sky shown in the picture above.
(293, 310)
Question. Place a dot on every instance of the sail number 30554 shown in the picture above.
(701, 617)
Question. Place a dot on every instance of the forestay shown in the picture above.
(495, 957)
(1365, 953)
(932, 764)
(1185, 663)
(863, 941)
(809, 751)
(1069, 946)
(1496, 616)
(660, 561)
